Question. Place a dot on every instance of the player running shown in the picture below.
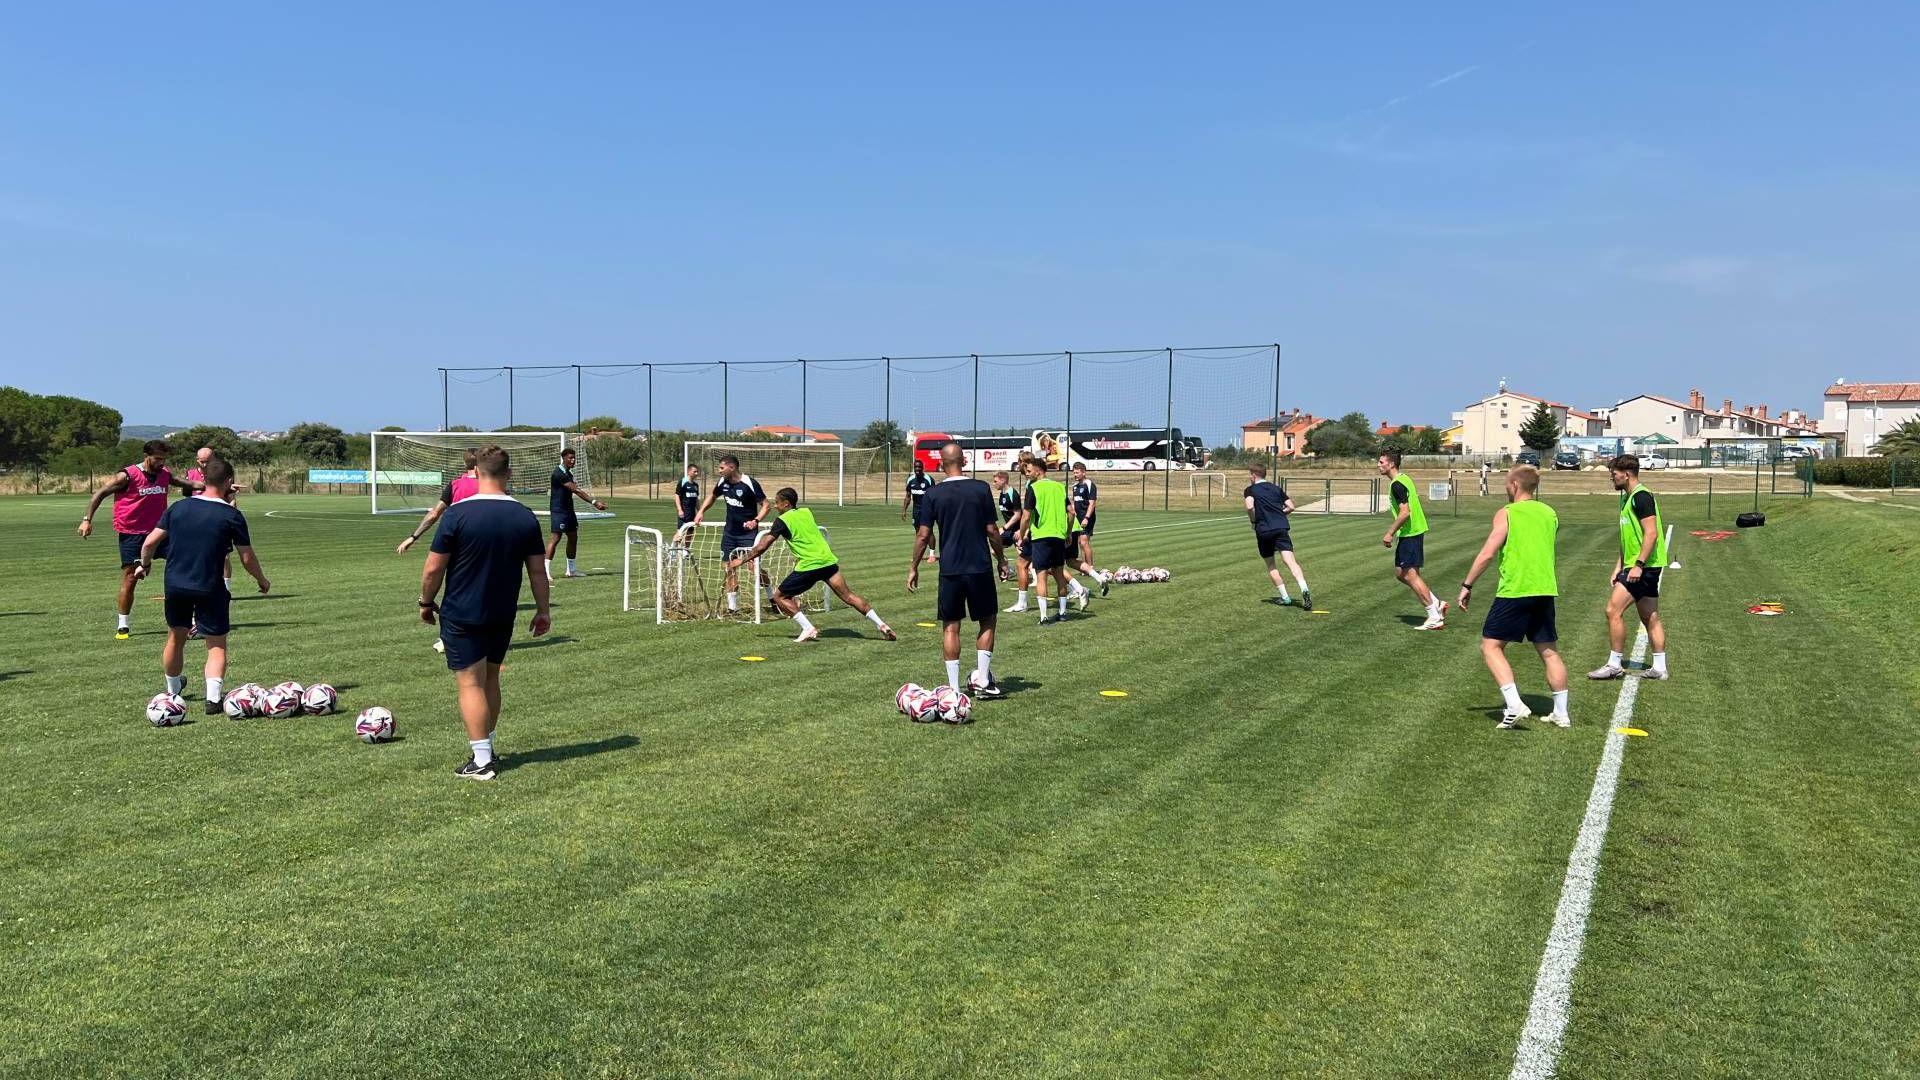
(1522, 537)
(1407, 536)
(960, 509)
(482, 547)
(198, 534)
(746, 504)
(139, 499)
(1044, 527)
(1086, 502)
(561, 491)
(916, 493)
(460, 487)
(1636, 576)
(813, 563)
(1267, 509)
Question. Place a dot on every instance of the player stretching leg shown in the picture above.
(198, 534)
(1267, 508)
(746, 504)
(1522, 538)
(813, 563)
(1407, 536)
(1086, 503)
(561, 491)
(1636, 576)
(139, 498)
(961, 509)
(1045, 529)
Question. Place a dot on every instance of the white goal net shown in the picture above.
(409, 469)
(815, 470)
(685, 577)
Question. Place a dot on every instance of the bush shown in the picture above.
(1872, 472)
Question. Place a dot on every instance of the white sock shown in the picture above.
(228, 582)
(1511, 693)
(1302, 582)
(1613, 659)
(482, 750)
(176, 683)
(570, 567)
(953, 674)
(981, 661)
(800, 619)
(214, 688)
(733, 601)
(1283, 591)
(549, 569)
(1063, 605)
(1433, 605)
(875, 617)
(1019, 600)
(1559, 703)
(123, 622)
(1659, 661)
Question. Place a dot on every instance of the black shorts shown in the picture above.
(468, 645)
(208, 611)
(732, 542)
(1048, 552)
(1026, 550)
(130, 544)
(1521, 618)
(1008, 538)
(1647, 588)
(1087, 529)
(1273, 542)
(967, 596)
(564, 522)
(1411, 552)
(798, 582)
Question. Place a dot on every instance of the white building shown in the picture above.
(1492, 424)
(1858, 414)
(1692, 426)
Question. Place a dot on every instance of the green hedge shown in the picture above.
(1872, 472)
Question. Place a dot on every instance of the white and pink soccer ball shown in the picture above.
(921, 707)
(373, 725)
(953, 706)
(291, 687)
(906, 695)
(319, 699)
(166, 710)
(243, 701)
(279, 702)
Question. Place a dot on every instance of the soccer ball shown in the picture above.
(924, 707)
(319, 699)
(905, 695)
(293, 688)
(279, 702)
(243, 701)
(955, 707)
(166, 710)
(374, 725)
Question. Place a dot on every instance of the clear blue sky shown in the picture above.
(225, 214)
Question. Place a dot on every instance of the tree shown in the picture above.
(76, 421)
(34, 429)
(1350, 436)
(322, 443)
(397, 427)
(87, 461)
(24, 427)
(1541, 432)
(1901, 442)
(881, 434)
(1413, 440)
(602, 424)
(1125, 425)
(223, 441)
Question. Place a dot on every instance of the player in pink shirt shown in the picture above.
(139, 498)
(461, 487)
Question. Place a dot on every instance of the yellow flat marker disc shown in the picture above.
(1113, 693)
(753, 659)
(1319, 611)
(928, 625)
(1630, 731)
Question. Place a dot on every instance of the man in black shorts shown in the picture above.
(686, 498)
(1008, 501)
(561, 491)
(1085, 496)
(197, 534)
(1267, 508)
(917, 487)
(746, 504)
(813, 564)
(961, 509)
(484, 544)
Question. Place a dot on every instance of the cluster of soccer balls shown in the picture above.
(924, 706)
(252, 700)
(1128, 575)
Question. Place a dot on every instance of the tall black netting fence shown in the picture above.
(1022, 402)
(544, 398)
(849, 400)
(476, 400)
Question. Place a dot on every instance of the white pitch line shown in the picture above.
(1546, 1031)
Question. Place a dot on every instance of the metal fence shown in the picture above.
(1208, 393)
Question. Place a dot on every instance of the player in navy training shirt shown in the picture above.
(746, 504)
(686, 497)
(561, 491)
(485, 543)
(197, 534)
(1267, 508)
(918, 485)
(962, 510)
(1086, 504)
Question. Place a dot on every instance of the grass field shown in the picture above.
(1298, 847)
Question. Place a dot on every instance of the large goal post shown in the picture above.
(408, 469)
(683, 577)
(813, 469)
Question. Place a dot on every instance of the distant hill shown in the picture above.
(149, 431)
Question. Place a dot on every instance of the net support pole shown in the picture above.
(973, 462)
(509, 396)
(653, 486)
(1066, 452)
(1276, 404)
(724, 380)
(445, 421)
(1166, 480)
(886, 483)
(805, 435)
(578, 418)
(373, 474)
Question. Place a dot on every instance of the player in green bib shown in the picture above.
(1522, 539)
(813, 564)
(1044, 531)
(1636, 576)
(1407, 536)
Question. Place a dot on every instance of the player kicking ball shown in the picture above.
(813, 563)
(1522, 538)
(1267, 509)
(139, 498)
(198, 533)
(561, 491)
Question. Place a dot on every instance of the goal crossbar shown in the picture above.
(529, 476)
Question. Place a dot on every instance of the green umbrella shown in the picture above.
(1655, 439)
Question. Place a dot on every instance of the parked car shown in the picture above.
(1795, 453)
(1567, 459)
(1654, 461)
(1527, 457)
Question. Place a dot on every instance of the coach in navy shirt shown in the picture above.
(686, 494)
(960, 509)
(197, 534)
(483, 545)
